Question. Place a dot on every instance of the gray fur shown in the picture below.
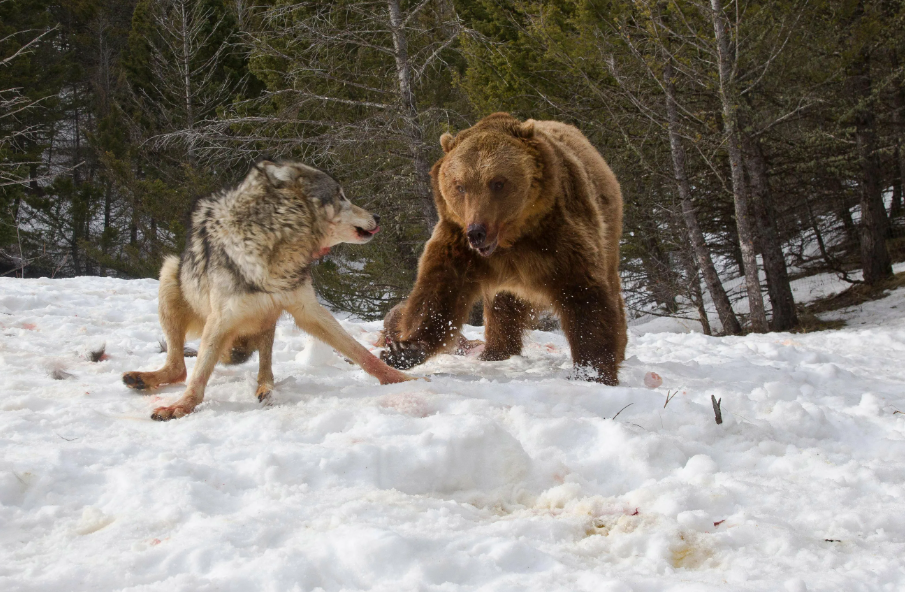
(247, 261)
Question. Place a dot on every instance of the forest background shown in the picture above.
(743, 133)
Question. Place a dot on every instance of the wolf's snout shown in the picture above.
(477, 234)
(367, 234)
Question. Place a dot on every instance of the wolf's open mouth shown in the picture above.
(362, 233)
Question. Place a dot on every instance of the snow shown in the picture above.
(492, 476)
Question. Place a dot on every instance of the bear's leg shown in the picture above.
(594, 324)
(449, 276)
(505, 320)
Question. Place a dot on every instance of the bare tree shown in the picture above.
(875, 259)
(702, 254)
(340, 74)
(187, 48)
(729, 99)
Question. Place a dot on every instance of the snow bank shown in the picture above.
(493, 476)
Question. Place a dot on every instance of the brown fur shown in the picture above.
(553, 210)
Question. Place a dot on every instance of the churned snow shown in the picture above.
(492, 476)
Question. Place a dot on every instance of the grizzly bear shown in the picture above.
(530, 217)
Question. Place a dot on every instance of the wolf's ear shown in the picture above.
(446, 141)
(525, 129)
(277, 174)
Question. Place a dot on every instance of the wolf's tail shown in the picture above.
(169, 271)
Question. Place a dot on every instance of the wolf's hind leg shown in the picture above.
(175, 317)
(217, 335)
(264, 341)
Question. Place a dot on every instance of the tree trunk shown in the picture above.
(661, 282)
(694, 289)
(186, 68)
(895, 208)
(848, 224)
(743, 221)
(727, 316)
(898, 120)
(413, 131)
(874, 257)
(105, 235)
(778, 288)
(830, 262)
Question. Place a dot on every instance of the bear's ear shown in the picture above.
(446, 141)
(525, 129)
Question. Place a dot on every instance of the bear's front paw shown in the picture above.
(403, 355)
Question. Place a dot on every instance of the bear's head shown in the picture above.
(490, 181)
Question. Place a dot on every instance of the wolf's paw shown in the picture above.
(403, 355)
(393, 376)
(171, 412)
(263, 393)
(133, 380)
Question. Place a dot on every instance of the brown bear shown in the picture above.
(530, 217)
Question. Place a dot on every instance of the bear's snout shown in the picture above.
(477, 234)
(478, 239)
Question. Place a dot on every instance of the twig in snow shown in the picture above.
(833, 540)
(59, 374)
(67, 439)
(621, 410)
(897, 411)
(96, 355)
(670, 397)
(716, 409)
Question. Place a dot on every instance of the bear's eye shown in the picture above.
(460, 189)
(497, 184)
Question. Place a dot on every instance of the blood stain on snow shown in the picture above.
(652, 380)
(406, 403)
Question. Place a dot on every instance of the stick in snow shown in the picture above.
(96, 355)
(716, 409)
(670, 397)
(623, 409)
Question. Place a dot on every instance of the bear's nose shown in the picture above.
(477, 234)
(376, 219)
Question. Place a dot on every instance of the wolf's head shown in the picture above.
(345, 222)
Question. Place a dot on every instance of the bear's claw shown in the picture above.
(403, 355)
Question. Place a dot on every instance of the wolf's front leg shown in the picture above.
(317, 321)
(216, 336)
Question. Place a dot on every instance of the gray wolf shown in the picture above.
(247, 260)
